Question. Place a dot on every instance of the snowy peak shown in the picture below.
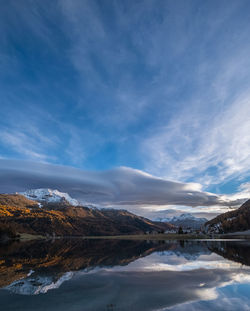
(49, 196)
(186, 216)
(186, 220)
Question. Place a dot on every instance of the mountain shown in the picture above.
(186, 220)
(233, 221)
(27, 216)
(48, 196)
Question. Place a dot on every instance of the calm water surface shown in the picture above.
(105, 275)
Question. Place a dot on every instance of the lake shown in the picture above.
(107, 275)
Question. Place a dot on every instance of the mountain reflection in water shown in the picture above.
(79, 275)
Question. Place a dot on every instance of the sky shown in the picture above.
(153, 88)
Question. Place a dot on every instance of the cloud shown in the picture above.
(99, 51)
(151, 290)
(156, 87)
(202, 133)
(243, 192)
(119, 187)
(27, 141)
(210, 149)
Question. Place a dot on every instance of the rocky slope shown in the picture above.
(233, 221)
(26, 216)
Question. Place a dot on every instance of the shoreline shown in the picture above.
(154, 237)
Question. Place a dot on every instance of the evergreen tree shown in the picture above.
(180, 231)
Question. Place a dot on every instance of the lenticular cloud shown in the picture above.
(117, 187)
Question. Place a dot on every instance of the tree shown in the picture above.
(7, 232)
(180, 231)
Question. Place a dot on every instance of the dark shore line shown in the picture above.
(25, 237)
(28, 237)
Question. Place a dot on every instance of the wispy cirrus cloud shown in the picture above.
(27, 141)
(208, 140)
(208, 151)
(22, 144)
(99, 53)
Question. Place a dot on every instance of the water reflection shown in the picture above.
(79, 275)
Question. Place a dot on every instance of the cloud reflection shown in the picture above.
(180, 276)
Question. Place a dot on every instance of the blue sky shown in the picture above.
(159, 86)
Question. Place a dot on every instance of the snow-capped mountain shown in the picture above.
(49, 196)
(186, 220)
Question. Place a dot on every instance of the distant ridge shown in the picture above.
(185, 220)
